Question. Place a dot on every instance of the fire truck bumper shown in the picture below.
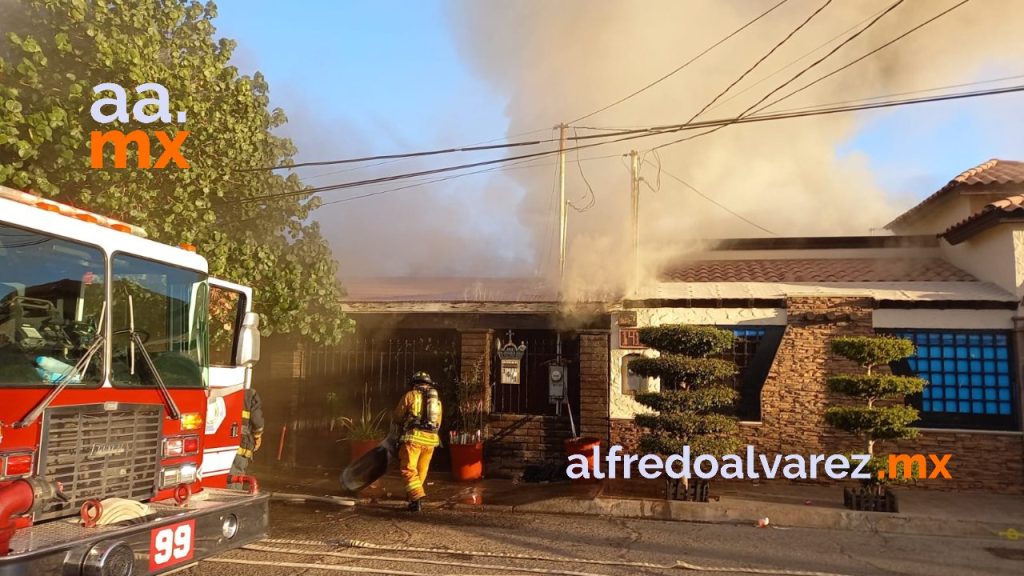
(177, 537)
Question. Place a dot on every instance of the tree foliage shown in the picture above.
(695, 341)
(694, 372)
(871, 351)
(62, 48)
(871, 422)
(691, 407)
(875, 386)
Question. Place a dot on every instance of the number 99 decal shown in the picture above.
(170, 545)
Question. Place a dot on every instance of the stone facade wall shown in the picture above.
(794, 399)
(626, 434)
(794, 396)
(988, 461)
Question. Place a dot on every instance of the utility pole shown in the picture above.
(562, 129)
(634, 188)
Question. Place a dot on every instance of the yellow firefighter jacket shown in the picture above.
(419, 415)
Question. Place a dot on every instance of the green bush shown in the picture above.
(695, 341)
(710, 398)
(889, 423)
(865, 386)
(690, 409)
(694, 372)
(871, 351)
(871, 422)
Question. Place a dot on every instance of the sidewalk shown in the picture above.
(922, 512)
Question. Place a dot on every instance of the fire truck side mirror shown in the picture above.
(249, 340)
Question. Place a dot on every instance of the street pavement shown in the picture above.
(574, 539)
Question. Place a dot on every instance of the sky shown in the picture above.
(364, 78)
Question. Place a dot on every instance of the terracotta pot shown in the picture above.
(584, 446)
(467, 461)
(359, 447)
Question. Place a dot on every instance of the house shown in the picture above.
(450, 327)
(951, 278)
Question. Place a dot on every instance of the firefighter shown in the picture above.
(418, 416)
(252, 435)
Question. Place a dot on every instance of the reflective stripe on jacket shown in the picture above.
(408, 415)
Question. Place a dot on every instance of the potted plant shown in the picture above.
(465, 438)
(363, 433)
(692, 406)
(872, 421)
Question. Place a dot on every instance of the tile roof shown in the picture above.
(818, 270)
(985, 218)
(953, 292)
(993, 172)
(447, 290)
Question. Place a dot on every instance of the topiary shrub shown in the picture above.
(694, 401)
(870, 421)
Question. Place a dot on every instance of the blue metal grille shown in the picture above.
(969, 375)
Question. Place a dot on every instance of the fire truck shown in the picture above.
(118, 418)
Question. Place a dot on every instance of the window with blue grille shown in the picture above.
(970, 378)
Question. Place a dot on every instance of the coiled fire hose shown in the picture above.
(678, 565)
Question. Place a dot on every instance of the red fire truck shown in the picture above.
(118, 419)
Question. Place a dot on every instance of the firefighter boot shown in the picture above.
(415, 506)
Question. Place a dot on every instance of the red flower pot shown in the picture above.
(358, 448)
(584, 446)
(467, 461)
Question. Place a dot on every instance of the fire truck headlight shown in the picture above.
(109, 559)
(188, 474)
(230, 526)
(170, 477)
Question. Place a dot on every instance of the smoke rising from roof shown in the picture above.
(559, 60)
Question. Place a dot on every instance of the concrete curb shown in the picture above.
(746, 512)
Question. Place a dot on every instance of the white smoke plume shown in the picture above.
(556, 61)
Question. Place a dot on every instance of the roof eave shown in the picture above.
(970, 228)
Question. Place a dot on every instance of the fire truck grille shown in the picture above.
(100, 451)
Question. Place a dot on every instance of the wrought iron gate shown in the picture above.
(530, 396)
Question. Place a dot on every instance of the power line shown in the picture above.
(592, 198)
(716, 203)
(875, 20)
(812, 51)
(762, 58)
(403, 155)
(654, 131)
(906, 93)
(683, 65)
(880, 48)
(394, 160)
(514, 166)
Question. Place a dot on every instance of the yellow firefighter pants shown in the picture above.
(414, 460)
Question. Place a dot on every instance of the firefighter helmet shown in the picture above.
(421, 378)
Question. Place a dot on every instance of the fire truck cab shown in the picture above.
(120, 404)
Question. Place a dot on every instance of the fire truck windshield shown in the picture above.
(51, 302)
(166, 307)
